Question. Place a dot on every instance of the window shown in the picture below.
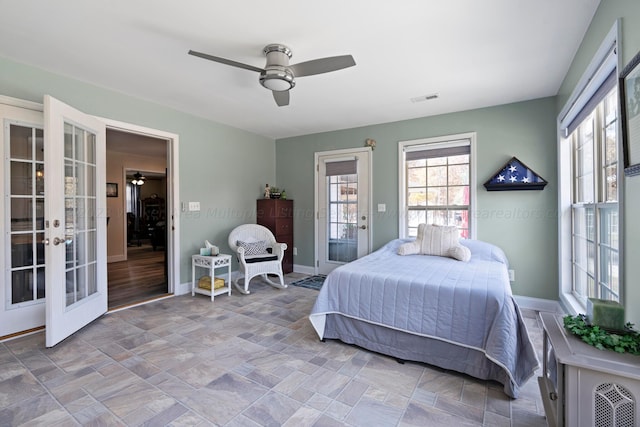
(436, 180)
(589, 177)
(594, 211)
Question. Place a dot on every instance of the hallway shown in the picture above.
(141, 277)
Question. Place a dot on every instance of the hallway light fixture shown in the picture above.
(138, 179)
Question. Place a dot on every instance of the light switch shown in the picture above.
(194, 206)
(382, 207)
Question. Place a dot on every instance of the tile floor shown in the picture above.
(244, 360)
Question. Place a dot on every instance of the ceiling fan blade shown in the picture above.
(225, 61)
(281, 97)
(322, 65)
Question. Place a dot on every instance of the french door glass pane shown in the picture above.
(21, 178)
(25, 200)
(343, 218)
(21, 213)
(80, 212)
(21, 286)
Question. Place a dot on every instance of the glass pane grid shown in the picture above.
(438, 192)
(26, 214)
(343, 217)
(80, 211)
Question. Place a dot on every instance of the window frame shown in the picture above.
(598, 202)
(435, 142)
(605, 61)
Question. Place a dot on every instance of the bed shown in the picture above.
(433, 309)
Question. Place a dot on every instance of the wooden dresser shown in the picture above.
(277, 216)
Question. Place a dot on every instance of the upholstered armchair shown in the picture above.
(258, 255)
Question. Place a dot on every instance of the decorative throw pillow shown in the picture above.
(460, 252)
(409, 248)
(253, 248)
(437, 239)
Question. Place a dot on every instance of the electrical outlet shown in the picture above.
(194, 206)
(382, 207)
(512, 275)
(295, 251)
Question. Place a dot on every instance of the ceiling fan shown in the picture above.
(278, 76)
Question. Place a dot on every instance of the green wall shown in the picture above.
(523, 223)
(606, 15)
(223, 168)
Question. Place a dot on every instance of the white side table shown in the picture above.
(211, 263)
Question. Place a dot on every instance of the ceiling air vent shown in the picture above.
(425, 98)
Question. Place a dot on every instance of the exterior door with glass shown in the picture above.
(342, 206)
(75, 220)
(22, 260)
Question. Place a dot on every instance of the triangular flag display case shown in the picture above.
(515, 175)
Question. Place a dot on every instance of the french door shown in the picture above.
(22, 263)
(342, 206)
(75, 220)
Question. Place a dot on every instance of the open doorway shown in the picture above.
(137, 211)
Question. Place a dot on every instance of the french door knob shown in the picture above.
(57, 241)
(364, 227)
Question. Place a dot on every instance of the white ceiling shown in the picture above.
(473, 53)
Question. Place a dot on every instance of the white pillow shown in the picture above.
(409, 248)
(460, 252)
(437, 239)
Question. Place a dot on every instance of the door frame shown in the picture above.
(173, 197)
(173, 193)
(367, 152)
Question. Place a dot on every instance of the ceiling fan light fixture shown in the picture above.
(138, 179)
(277, 78)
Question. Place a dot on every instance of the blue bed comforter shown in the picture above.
(466, 304)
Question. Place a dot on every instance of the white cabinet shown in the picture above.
(582, 386)
(211, 263)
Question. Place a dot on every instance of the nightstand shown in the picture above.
(211, 263)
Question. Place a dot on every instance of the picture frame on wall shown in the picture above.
(112, 189)
(630, 113)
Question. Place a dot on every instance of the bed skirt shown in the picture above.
(409, 347)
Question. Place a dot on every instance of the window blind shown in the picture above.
(430, 153)
(343, 167)
(601, 76)
(608, 84)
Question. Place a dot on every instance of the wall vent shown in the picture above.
(614, 405)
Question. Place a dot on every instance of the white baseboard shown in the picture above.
(304, 269)
(539, 304)
(183, 288)
(116, 258)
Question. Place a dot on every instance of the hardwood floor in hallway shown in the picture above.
(141, 277)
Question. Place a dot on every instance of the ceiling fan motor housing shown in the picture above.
(276, 75)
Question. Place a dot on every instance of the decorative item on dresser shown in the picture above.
(277, 216)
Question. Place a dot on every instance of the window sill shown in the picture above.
(571, 304)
